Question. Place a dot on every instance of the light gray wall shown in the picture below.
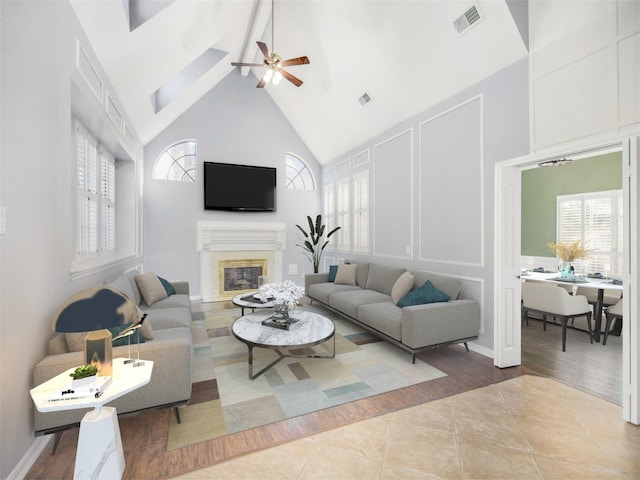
(38, 42)
(438, 169)
(234, 123)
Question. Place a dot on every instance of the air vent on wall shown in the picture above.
(365, 99)
(469, 18)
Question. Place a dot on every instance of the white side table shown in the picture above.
(99, 454)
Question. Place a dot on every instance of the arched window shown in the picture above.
(177, 162)
(298, 174)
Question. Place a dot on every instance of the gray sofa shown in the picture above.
(414, 328)
(171, 350)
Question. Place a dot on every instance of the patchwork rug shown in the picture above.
(224, 400)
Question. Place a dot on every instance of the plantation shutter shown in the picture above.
(107, 200)
(596, 220)
(87, 167)
(342, 207)
(361, 211)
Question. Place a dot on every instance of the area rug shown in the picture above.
(224, 400)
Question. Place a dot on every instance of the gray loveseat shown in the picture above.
(171, 350)
(414, 328)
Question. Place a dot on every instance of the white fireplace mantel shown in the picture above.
(215, 240)
(226, 236)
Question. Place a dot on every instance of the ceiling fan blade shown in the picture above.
(265, 51)
(295, 61)
(295, 80)
(242, 64)
(261, 83)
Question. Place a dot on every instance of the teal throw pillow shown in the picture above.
(427, 293)
(135, 336)
(333, 269)
(167, 286)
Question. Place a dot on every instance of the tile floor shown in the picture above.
(525, 428)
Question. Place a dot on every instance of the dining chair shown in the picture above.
(614, 312)
(555, 301)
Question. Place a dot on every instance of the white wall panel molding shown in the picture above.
(629, 80)
(88, 72)
(360, 159)
(392, 193)
(585, 71)
(451, 225)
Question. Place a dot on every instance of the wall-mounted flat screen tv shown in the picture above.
(239, 187)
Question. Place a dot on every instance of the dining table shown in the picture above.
(599, 284)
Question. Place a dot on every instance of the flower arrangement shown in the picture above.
(569, 252)
(285, 292)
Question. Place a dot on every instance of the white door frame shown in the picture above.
(507, 348)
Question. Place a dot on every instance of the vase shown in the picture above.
(565, 269)
(281, 308)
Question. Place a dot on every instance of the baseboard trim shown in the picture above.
(29, 458)
(481, 350)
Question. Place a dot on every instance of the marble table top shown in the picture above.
(241, 302)
(310, 329)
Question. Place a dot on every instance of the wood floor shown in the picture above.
(144, 436)
(593, 368)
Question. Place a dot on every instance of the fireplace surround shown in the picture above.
(237, 243)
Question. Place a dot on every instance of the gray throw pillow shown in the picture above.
(403, 285)
(346, 274)
(151, 288)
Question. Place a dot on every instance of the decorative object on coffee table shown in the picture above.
(315, 242)
(285, 294)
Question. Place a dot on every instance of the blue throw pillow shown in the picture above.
(427, 293)
(135, 336)
(167, 286)
(333, 269)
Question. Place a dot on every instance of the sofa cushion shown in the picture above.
(363, 273)
(427, 293)
(384, 317)
(450, 286)
(163, 318)
(151, 288)
(321, 291)
(346, 275)
(75, 341)
(382, 278)
(348, 302)
(125, 284)
(403, 285)
(177, 300)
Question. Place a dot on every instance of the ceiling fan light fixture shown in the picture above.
(277, 76)
(268, 75)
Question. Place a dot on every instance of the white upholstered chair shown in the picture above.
(546, 299)
(613, 312)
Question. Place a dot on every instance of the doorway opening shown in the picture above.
(507, 254)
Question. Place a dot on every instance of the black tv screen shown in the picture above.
(239, 187)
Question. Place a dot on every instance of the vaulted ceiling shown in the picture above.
(161, 56)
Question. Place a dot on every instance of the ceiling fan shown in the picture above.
(273, 62)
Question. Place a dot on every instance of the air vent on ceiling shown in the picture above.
(365, 99)
(469, 18)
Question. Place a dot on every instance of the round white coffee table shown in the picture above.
(310, 329)
(252, 301)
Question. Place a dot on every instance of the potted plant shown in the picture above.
(315, 242)
(83, 375)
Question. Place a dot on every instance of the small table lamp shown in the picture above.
(94, 311)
